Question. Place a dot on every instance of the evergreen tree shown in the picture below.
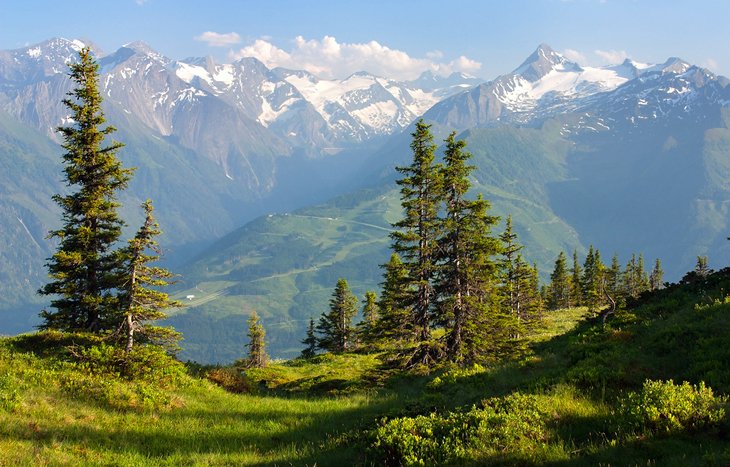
(311, 342)
(576, 277)
(336, 329)
(395, 322)
(642, 277)
(467, 271)
(656, 278)
(593, 282)
(699, 273)
(415, 237)
(370, 316)
(631, 281)
(614, 281)
(636, 280)
(559, 291)
(257, 357)
(702, 268)
(526, 295)
(141, 301)
(510, 251)
(82, 269)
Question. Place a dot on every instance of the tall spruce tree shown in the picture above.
(576, 278)
(467, 269)
(641, 275)
(559, 291)
(336, 329)
(370, 316)
(415, 237)
(656, 278)
(526, 296)
(395, 323)
(702, 267)
(83, 268)
(310, 341)
(593, 281)
(631, 282)
(141, 301)
(257, 357)
(636, 279)
(510, 251)
(614, 287)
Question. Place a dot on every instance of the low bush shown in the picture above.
(232, 380)
(516, 421)
(662, 407)
(146, 363)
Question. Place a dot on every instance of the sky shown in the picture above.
(393, 38)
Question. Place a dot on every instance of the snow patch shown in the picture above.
(224, 75)
(35, 52)
(378, 114)
(188, 72)
(77, 45)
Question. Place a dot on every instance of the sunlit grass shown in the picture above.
(326, 410)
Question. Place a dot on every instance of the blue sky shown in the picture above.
(399, 38)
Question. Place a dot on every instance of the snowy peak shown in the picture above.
(547, 79)
(675, 65)
(142, 48)
(363, 106)
(542, 61)
(546, 85)
(39, 61)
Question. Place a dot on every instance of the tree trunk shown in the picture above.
(130, 333)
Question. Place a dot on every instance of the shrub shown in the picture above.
(146, 363)
(137, 380)
(232, 380)
(667, 407)
(513, 423)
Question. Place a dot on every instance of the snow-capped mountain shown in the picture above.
(548, 85)
(285, 110)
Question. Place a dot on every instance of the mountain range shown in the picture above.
(271, 183)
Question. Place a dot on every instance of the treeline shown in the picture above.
(596, 285)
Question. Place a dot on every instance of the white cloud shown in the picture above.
(215, 39)
(575, 56)
(328, 58)
(612, 57)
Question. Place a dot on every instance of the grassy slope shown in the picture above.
(285, 267)
(321, 411)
